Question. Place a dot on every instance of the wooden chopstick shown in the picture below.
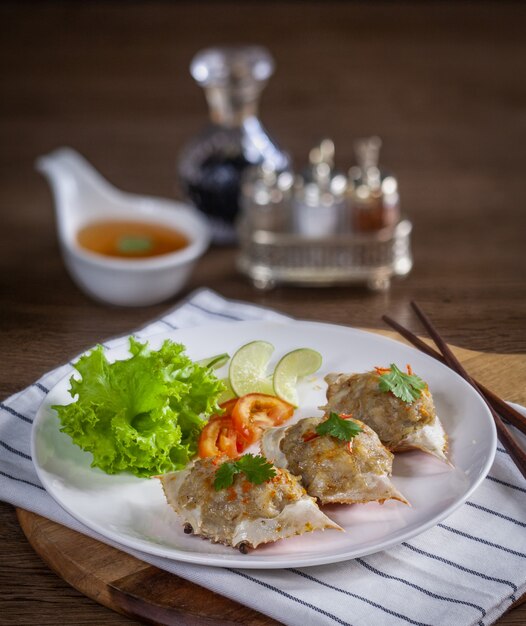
(505, 410)
(516, 452)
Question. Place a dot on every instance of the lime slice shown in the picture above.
(294, 365)
(248, 368)
(214, 362)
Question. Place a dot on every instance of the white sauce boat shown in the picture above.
(83, 196)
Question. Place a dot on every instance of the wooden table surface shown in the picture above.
(442, 84)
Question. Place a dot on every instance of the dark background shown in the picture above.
(441, 83)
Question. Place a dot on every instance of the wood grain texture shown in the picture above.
(127, 585)
(440, 82)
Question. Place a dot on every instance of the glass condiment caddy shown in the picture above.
(326, 230)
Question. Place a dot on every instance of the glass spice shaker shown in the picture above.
(266, 199)
(211, 166)
(319, 199)
(373, 194)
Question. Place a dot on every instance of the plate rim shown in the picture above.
(274, 561)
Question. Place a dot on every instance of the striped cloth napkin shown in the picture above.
(467, 570)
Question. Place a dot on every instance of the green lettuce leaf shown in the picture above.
(143, 414)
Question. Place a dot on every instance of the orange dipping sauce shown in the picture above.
(130, 240)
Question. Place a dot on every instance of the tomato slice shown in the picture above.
(219, 437)
(228, 440)
(227, 408)
(255, 412)
(241, 423)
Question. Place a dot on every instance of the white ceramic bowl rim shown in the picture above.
(194, 227)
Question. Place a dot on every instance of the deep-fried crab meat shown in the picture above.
(400, 425)
(330, 469)
(243, 515)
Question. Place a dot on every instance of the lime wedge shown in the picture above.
(214, 362)
(294, 365)
(248, 368)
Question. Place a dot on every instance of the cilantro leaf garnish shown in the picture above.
(257, 470)
(407, 387)
(225, 476)
(338, 427)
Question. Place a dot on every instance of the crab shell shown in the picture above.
(239, 523)
(431, 439)
(400, 426)
(325, 473)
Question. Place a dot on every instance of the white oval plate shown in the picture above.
(133, 512)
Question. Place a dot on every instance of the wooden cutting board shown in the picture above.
(132, 587)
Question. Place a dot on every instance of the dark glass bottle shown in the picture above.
(211, 166)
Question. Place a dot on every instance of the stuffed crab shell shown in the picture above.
(332, 470)
(400, 425)
(243, 515)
